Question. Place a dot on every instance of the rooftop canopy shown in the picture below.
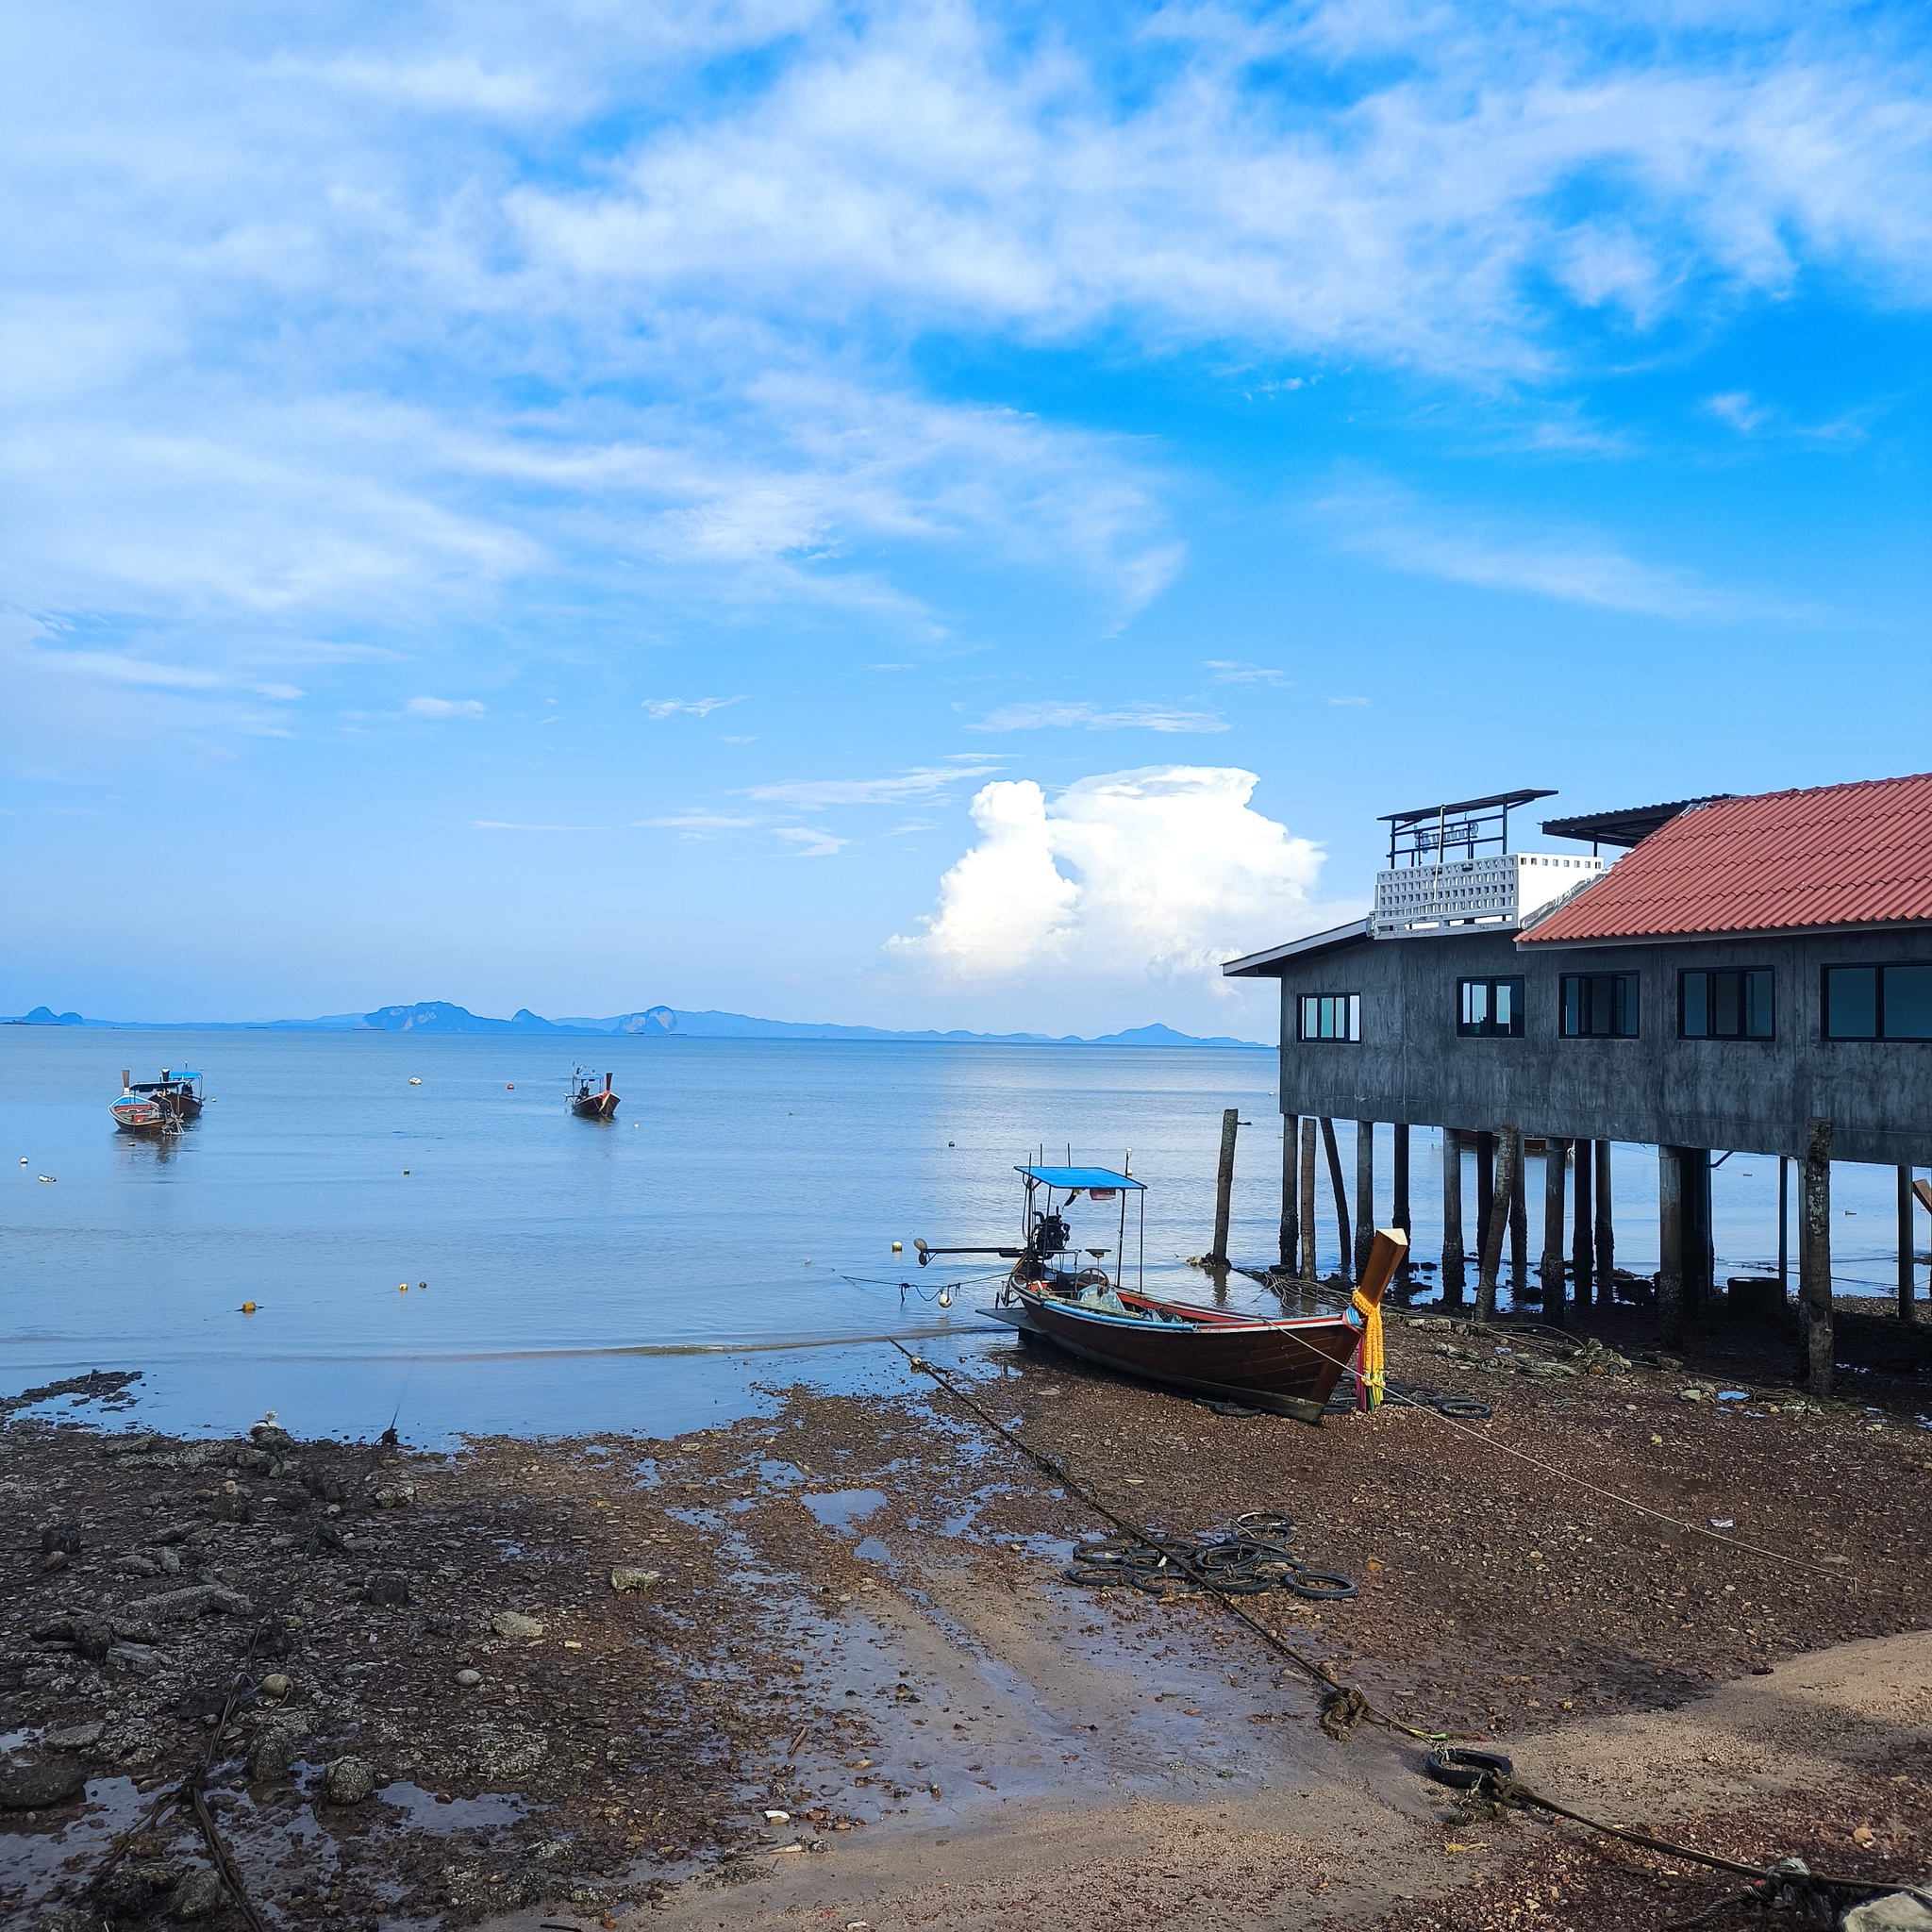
(1078, 1176)
(1624, 827)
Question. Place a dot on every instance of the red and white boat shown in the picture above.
(157, 1107)
(590, 1103)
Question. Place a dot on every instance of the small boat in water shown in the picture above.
(591, 1103)
(157, 1107)
(1289, 1366)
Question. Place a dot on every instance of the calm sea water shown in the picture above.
(732, 1231)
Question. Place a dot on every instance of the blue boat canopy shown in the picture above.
(1079, 1177)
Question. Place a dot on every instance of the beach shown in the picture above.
(849, 1610)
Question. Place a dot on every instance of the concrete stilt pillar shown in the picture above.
(1341, 1194)
(1398, 1211)
(1364, 1195)
(1290, 1194)
(1306, 1191)
(1556, 1157)
(1583, 1223)
(1605, 1230)
(1907, 1309)
(1509, 1158)
(1669, 1245)
(1519, 1225)
(1452, 1218)
(1814, 1261)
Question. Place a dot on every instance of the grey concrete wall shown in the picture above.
(1411, 1065)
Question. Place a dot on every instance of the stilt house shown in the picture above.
(1753, 973)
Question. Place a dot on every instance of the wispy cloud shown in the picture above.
(1563, 562)
(1232, 671)
(511, 825)
(810, 843)
(1736, 407)
(694, 708)
(443, 707)
(901, 787)
(699, 822)
(1351, 704)
(1048, 715)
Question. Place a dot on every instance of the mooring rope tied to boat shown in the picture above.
(1347, 1706)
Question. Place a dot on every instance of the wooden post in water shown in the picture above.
(1341, 1194)
(1452, 1218)
(1398, 1213)
(1783, 1228)
(1907, 1312)
(1364, 1195)
(1306, 1191)
(1583, 1236)
(1556, 1154)
(1485, 1187)
(1497, 1226)
(1814, 1261)
(1605, 1230)
(1290, 1194)
(1670, 1244)
(1223, 1185)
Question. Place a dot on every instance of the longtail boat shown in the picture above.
(1286, 1365)
(590, 1103)
(157, 1107)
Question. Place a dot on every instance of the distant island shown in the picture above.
(651, 1022)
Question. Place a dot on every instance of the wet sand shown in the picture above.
(854, 1616)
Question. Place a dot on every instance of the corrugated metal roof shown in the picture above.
(1835, 855)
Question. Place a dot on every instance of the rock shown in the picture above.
(89, 1634)
(140, 1660)
(469, 1679)
(162, 1874)
(502, 1759)
(385, 1587)
(270, 1436)
(553, 1851)
(198, 1895)
(130, 1445)
(275, 1684)
(53, 1560)
(174, 1533)
(514, 1623)
(348, 1780)
(34, 1786)
(1898, 1912)
(138, 1566)
(180, 1605)
(394, 1497)
(231, 1504)
(272, 1750)
(73, 1737)
(622, 1578)
(65, 1537)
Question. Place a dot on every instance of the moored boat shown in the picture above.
(157, 1107)
(590, 1103)
(1287, 1365)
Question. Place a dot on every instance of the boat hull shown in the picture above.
(1290, 1367)
(594, 1106)
(139, 1116)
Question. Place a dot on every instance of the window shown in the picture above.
(1331, 1016)
(1878, 1002)
(1600, 1005)
(1490, 1009)
(1724, 1005)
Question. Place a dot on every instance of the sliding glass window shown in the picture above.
(1879, 1002)
(1490, 1009)
(1329, 1016)
(1600, 1006)
(1725, 1006)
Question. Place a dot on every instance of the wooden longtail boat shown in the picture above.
(157, 1107)
(587, 1102)
(1289, 1366)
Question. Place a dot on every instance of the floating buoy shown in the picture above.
(406, 1169)
(421, 1284)
(23, 1161)
(45, 1177)
(509, 1085)
(946, 1297)
(402, 1288)
(899, 1247)
(413, 1081)
(249, 1307)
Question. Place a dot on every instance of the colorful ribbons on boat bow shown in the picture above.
(1370, 1380)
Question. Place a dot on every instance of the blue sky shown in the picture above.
(927, 515)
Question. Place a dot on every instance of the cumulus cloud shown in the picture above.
(1150, 877)
(1050, 716)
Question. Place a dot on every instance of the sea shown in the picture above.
(431, 1241)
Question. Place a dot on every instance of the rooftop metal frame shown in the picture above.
(1424, 836)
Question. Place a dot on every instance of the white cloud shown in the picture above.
(811, 843)
(1050, 716)
(1144, 878)
(1351, 704)
(699, 822)
(904, 788)
(443, 707)
(1233, 671)
(695, 708)
(1736, 407)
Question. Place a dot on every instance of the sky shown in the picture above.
(917, 515)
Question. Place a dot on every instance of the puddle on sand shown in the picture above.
(36, 1850)
(838, 1510)
(427, 1812)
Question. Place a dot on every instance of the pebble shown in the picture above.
(275, 1685)
(469, 1679)
(348, 1780)
(73, 1737)
(198, 1895)
(514, 1623)
(34, 1786)
(623, 1579)
(389, 1586)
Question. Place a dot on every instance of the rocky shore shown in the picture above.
(824, 1660)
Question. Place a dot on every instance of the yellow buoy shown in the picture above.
(249, 1307)
(402, 1288)
(899, 1247)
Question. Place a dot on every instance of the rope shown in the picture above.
(1370, 1376)
(1348, 1705)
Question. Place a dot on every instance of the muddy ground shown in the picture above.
(851, 1612)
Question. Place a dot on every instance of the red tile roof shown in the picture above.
(1833, 855)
